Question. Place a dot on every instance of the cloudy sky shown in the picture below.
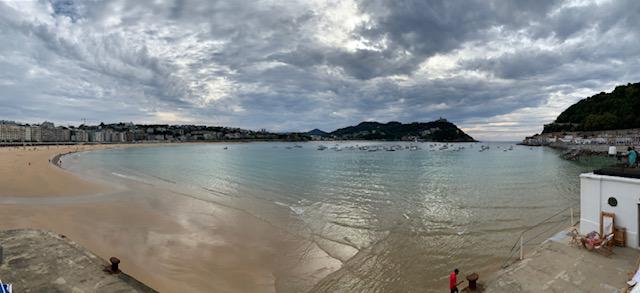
(498, 69)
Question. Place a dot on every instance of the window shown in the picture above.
(612, 201)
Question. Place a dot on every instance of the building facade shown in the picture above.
(615, 194)
(12, 132)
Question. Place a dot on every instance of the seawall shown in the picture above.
(40, 261)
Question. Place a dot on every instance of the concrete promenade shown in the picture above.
(557, 266)
(38, 261)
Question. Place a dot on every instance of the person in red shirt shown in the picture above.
(453, 281)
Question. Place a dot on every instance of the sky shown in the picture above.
(497, 69)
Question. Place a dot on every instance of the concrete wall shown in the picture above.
(595, 191)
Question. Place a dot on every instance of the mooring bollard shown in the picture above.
(114, 264)
(472, 279)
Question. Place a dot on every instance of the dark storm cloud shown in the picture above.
(415, 30)
(305, 64)
(429, 27)
(362, 64)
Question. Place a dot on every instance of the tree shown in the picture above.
(600, 121)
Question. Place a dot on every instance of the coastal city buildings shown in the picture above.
(47, 132)
(13, 132)
(604, 137)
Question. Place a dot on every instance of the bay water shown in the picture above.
(395, 221)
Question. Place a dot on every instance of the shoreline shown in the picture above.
(145, 227)
(574, 152)
(7, 145)
(176, 240)
(598, 149)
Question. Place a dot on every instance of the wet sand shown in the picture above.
(172, 242)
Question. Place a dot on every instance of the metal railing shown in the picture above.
(540, 232)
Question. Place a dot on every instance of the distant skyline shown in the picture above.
(497, 69)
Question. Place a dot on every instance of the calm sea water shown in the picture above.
(397, 220)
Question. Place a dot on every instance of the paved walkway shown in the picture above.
(38, 261)
(559, 267)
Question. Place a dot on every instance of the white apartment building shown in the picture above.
(12, 132)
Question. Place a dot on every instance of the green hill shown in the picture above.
(604, 111)
(439, 130)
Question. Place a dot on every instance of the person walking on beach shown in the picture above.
(632, 156)
(453, 281)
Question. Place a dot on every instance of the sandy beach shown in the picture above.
(169, 241)
(27, 171)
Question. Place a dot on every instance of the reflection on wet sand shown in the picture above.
(172, 242)
(262, 217)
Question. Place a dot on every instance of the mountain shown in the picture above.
(604, 111)
(317, 132)
(439, 130)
